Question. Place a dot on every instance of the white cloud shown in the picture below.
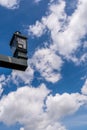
(10, 4)
(84, 88)
(66, 31)
(20, 76)
(69, 40)
(21, 128)
(33, 107)
(2, 78)
(85, 44)
(55, 126)
(24, 105)
(1, 89)
(46, 61)
(37, 30)
(2, 82)
(50, 21)
(65, 35)
(36, 108)
(48, 64)
(57, 106)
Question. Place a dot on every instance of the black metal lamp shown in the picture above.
(18, 45)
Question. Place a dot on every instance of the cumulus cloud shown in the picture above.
(84, 88)
(37, 30)
(10, 4)
(36, 108)
(2, 82)
(66, 31)
(22, 128)
(65, 35)
(1, 89)
(57, 105)
(16, 78)
(26, 76)
(45, 61)
(24, 105)
(48, 63)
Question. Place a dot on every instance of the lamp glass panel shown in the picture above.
(21, 43)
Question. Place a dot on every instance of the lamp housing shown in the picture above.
(18, 45)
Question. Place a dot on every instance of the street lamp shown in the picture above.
(18, 45)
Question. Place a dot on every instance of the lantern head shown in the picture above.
(18, 45)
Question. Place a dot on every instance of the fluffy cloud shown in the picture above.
(46, 60)
(20, 76)
(69, 40)
(84, 88)
(1, 89)
(57, 105)
(26, 77)
(48, 64)
(2, 78)
(11, 4)
(66, 36)
(36, 108)
(21, 128)
(56, 12)
(2, 82)
(66, 31)
(37, 30)
(23, 106)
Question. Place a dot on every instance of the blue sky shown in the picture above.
(52, 93)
